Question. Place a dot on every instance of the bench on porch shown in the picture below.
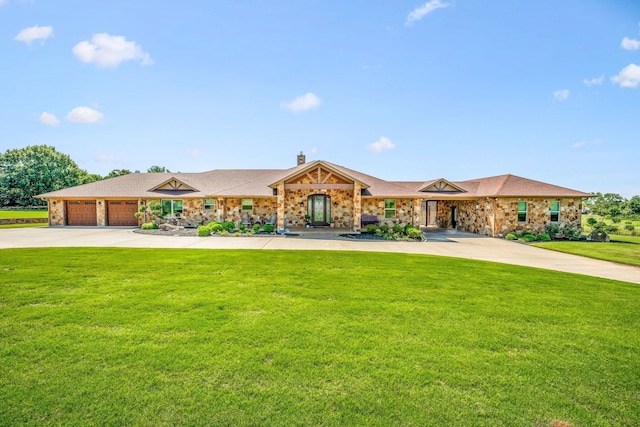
(368, 219)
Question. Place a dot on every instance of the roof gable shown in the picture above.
(174, 184)
(441, 186)
(317, 172)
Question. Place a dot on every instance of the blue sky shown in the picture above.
(399, 89)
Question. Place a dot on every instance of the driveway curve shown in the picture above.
(443, 243)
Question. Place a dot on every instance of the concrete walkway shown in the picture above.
(441, 242)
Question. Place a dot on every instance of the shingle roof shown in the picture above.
(260, 183)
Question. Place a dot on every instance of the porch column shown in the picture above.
(357, 206)
(417, 213)
(280, 209)
(220, 209)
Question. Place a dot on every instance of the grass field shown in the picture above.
(205, 337)
(623, 253)
(23, 214)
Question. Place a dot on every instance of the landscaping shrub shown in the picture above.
(242, 228)
(384, 228)
(610, 228)
(149, 226)
(528, 237)
(229, 226)
(269, 228)
(397, 229)
(370, 228)
(629, 227)
(256, 228)
(204, 231)
(407, 227)
(572, 233)
(544, 237)
(592, 221)
(414, 233)
(215, 227)
(511, 236)
(552, 230)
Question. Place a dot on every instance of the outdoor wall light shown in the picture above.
(335, 204)
(302, 204)
(54, 203)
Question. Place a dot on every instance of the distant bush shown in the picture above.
(592, 221)
(544, 237)
(204, 231)
(629, 227)
(149, 226)
(268, 228)
(229, 226)
(511, 236)
(610, 228)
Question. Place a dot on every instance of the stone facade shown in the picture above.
(56, 212)
(494, 217)
(407, 211)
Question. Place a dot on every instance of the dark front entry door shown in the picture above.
(454, 219)
(319, 209)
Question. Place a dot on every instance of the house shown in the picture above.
(326, 192)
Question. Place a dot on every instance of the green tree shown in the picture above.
(117, 172)
(633, 205)
(607, 204)
(157, 169)
(27, 172)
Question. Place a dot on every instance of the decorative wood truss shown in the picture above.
(319, 178)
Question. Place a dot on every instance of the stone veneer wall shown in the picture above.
(492, 217)
(56, 212)
(373, 206)
(263, 207)
(342, 214)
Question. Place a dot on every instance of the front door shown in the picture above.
(454, 216)
(319, 209)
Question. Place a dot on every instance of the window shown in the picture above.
(390, 208)
(172, 208)
(209, 204)
(555, 211)
(247, 204)
(522, 211)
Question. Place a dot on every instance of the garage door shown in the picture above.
(82, 212)
(122, 212)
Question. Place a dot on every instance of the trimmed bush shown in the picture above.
(397, 229)
(528, 237)
(242, 228)
(149, 226)
(370, 228)
(414, 233)
(256, 228)
(229, 226)
(268, 228)
(552, 230)
(511, 236)
(384, 228)
(592, 221)
(572, 233)
(544, 237)
(407, 227)
(215, 227)
(204, 231)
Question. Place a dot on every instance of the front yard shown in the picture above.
(208, 337)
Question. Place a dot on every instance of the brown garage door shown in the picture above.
(81, 212)
(122, 212)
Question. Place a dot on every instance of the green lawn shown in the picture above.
(208, 337)
(625, 251)
(23, 214)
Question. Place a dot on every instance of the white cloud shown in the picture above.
(579, 144)
(192, 152)
(630, 44)
(311, 152)
(106, 50)
(306, 102)
(561, 95)
(383, 143)
(628, 77)
(594, 81)
(34, 33)
(105, 158)
(84, 115)
(3, 2)
(48, 119)
(420, 12)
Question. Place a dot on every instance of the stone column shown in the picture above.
(417, 213)
(280, 207)
(101, 212)
(357, 206)
(220, 209)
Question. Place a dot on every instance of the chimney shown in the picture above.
(301, 159)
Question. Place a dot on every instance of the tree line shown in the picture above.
(613, 205)
(27, 172)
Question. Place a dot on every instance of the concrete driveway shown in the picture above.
(441, 242)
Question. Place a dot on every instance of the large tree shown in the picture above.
(157, 169)
(117, 172)
(27, 172)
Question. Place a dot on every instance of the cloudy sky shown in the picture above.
(400, 89)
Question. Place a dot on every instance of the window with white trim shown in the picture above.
(554, 211)
(172, 208)
(209, 204)
(247, 204)
(522, 211)
(390, 208)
